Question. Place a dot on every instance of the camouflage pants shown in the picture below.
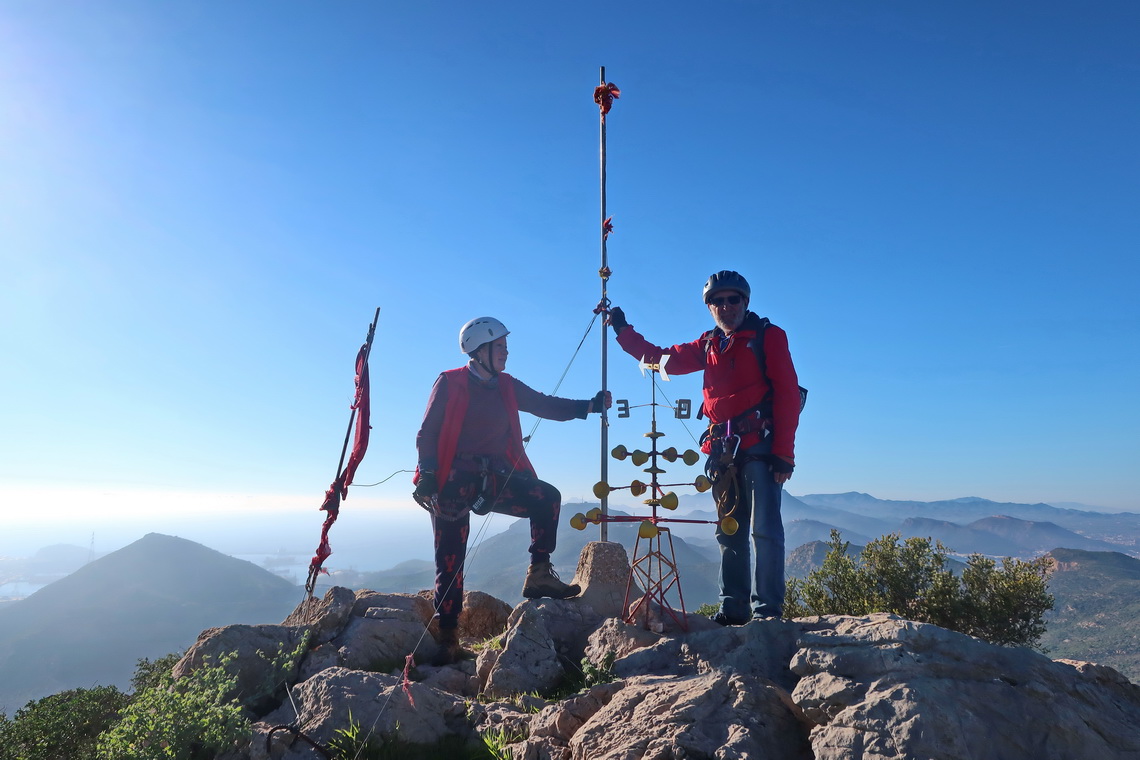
(516, 496)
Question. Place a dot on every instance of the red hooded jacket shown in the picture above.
(733, 381)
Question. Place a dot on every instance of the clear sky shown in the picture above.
(202, 204)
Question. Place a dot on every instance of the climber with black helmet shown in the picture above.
(472, 459)
(752, 401)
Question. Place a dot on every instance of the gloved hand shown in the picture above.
(779, 464)
(616, 319)
(601, 397)
(427, 487)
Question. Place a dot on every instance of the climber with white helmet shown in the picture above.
(472, 459)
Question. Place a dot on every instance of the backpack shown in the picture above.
(758, 349)
(765, 405)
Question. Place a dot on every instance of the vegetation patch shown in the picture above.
(1003, 604)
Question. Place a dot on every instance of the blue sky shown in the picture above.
(202, 203)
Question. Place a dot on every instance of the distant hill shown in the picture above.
(1097, 604)
(1119, 531)
(147, 599)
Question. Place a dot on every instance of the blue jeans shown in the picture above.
(747, 590)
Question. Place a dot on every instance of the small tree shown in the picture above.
(187, 719)
(192, 718)
(63, 725)
(912, 579)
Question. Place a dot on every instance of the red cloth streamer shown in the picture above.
(339, 488)
(607, 227)
(605, 95)
(361, 405)
(406, 683)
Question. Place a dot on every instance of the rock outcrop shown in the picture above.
(558, 680)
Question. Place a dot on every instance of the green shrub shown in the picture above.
(64, 725)
(187, 719)
(912, 579)
(192, 718)
(149, 673)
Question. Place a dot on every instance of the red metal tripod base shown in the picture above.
(657, 573)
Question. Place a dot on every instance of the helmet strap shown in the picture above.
(486, 365)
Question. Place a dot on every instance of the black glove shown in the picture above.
(598, 403)
(428, 485)
(779, 464)
(617, 320)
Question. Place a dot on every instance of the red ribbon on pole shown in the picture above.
(605, 95)
(361, 409)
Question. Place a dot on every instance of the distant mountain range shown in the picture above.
(148, 599)
(156, 595)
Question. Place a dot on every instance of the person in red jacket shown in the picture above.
(472, 459)
(753, 411)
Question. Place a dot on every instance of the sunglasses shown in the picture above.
(723, 300)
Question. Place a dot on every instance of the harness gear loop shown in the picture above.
(721, 470)
(481, 504)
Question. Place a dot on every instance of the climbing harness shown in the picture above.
(721, 470)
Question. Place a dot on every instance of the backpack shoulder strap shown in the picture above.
(762, 324)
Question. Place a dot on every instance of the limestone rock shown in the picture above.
(829, 688)
(603, 572)
(483, 616)
(327, 616)
(260, 685)
(542, 638)
(377, 703)
(529, 659)
(881, 686)
(383, 640)
(714, 715)
(415, 605)
(613, 637)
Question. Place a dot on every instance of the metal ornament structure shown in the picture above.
(654, 565)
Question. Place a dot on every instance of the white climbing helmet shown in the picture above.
(479, 331)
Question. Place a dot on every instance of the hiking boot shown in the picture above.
(722, 619)
(542, 581)
(449, 651)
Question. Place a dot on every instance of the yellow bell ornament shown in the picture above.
(647, 529)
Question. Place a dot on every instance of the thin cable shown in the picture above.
(659, 390)
(385, 480)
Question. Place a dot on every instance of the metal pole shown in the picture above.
(605, 328)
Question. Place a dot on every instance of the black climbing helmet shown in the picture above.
(726, 279)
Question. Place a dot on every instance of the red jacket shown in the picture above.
(460, 415)
(733, 382)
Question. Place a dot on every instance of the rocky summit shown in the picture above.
(666, 687)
